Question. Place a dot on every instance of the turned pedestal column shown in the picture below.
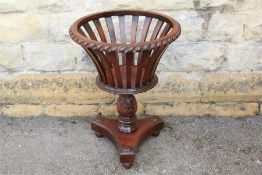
(126, 60)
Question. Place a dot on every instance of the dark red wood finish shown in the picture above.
(126, 47)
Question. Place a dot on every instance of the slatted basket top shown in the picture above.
(125, 31)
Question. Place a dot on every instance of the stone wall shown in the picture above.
(214, 68)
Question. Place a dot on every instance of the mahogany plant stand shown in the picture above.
(126, 47)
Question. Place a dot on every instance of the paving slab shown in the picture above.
(187, 145)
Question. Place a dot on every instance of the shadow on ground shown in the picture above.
(197, 146)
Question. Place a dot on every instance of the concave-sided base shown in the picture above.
(127, 143)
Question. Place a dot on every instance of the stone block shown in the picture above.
(226, 87)
(15, 28)
(57, 29)
(52, 57)
(68, 110)
(172, 87)
(11, 57)
(193, 57)
(178, 109)
(234, 109)
(225, 27)
(202, 109)
(54, 6)
(227, 6)
(22, 110)
(253, 26)
(244, 57)
(52, 89)
(191, 24)
(15, 6)
(137, 4)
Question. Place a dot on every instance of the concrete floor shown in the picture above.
(197, 146)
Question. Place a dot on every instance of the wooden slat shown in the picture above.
(156, 55)
(100, 30)
(97, 63)
(134, 28)
(156, 30)
(90, 31)
(129, 65)
(143, 56)
(107, 65)
(111, 29)
(149, 64)
(81, 31)
(141, 64)
(145, 29)
(113, 57)
(122, 28)
(166, 30)
(154, 65)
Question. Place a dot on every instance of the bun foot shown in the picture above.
(98, 135)
(127, 165)
(155, 134)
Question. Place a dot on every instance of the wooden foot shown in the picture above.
(98, 135)
(127, 143)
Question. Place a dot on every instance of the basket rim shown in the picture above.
(120, 47)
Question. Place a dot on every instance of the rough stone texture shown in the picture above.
(11, 57)
(137, 4)
(56, 30)
(22, 110)
(253, 26)
(193, 57)
(178, 109)
(63, 93)
(52, 89)
(191, 23)
(71, 110)
(234, 109)
(53, 57)
(216, 59)
(244, 57)
(214, 109)
(225, 27)
(20, 28)
(195, 145)
(234, 87)
(12, 6)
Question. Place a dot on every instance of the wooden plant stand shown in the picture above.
(126, 47)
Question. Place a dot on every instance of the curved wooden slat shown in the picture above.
(97, 64)
(140, 65)
(105, 62)
(145, 29)
(90, 31)
(122, 28)
(116, 67)
(165, 30)
(100, 30)
(149, 64)
(155, 56)
(156, 30)
(111, 30)
(81, 31)
(129, 65)
(156, 62)
(134, 28)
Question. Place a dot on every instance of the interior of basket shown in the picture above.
(125, 29)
